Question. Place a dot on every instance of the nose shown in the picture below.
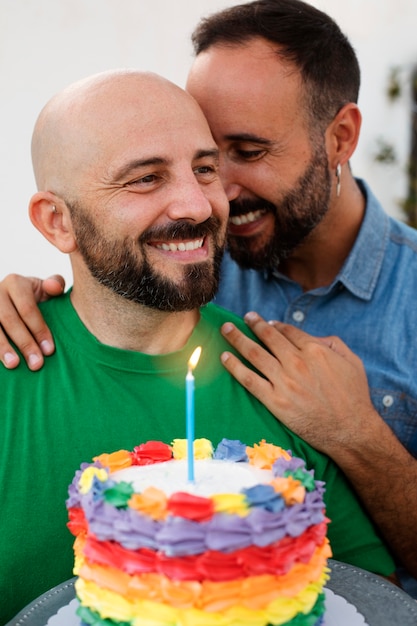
(189, 201)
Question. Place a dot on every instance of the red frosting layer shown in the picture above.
(275, 559)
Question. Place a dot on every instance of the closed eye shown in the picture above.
(249, 155)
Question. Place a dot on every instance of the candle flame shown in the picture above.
(194, 358)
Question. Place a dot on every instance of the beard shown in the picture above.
(115, 263)
(295, 217)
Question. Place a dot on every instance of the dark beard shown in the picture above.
(114, 264)
(295, 217)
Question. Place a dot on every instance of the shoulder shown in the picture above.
(60, 303)
(59, 313)
(217, 315)
(403, 235)
(399, 233)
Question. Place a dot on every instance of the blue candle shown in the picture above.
(189, 391)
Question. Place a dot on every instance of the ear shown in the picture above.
(50, 215)
(342, 134)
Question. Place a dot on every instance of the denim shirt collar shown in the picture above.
(362, 267)
(360, 272)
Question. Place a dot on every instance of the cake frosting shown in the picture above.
(244, 544)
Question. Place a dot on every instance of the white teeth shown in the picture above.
(238, 220)
(181, 247)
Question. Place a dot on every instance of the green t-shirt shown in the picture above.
(91, 398)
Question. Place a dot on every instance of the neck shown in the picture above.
(318, 260)
(117, 322)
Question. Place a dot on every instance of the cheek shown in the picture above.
(133, 218)
(255, 176)
(259, 181)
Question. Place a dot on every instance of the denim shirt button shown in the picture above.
(298, 316)
(387, 401)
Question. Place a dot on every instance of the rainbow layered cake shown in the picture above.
(244, 544)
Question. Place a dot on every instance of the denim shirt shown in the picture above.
(371, 305)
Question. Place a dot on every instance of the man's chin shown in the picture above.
(247, 254)
(248, 261)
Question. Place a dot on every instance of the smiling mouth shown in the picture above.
(246, 218)
(195, 244)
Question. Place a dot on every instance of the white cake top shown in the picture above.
(211, 477)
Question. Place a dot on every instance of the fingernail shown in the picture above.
(250, 316)
(10, 359)
(46, 347)
(34, 360)
(227, 328)
(224, 357)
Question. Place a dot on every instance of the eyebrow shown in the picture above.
(212, 152)
(138, 163)
(135, 164)
(250, 138)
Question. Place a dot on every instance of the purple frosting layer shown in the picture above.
(177, 536)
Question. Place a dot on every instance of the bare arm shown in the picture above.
(21, 320)
(319, 389)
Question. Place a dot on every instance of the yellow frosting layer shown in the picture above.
(109, 604)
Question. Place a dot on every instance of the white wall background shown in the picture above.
(46, 44)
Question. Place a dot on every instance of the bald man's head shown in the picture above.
(77, 126)
(128, 185)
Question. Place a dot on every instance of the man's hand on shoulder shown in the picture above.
(22, 323)
(316, 386)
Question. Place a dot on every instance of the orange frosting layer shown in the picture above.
(253, 592)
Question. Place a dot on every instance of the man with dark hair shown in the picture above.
(309, 245)
(278, 82)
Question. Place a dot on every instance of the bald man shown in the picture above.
(128, 186)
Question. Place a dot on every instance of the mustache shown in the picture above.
(183, 230)
(248, 205)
